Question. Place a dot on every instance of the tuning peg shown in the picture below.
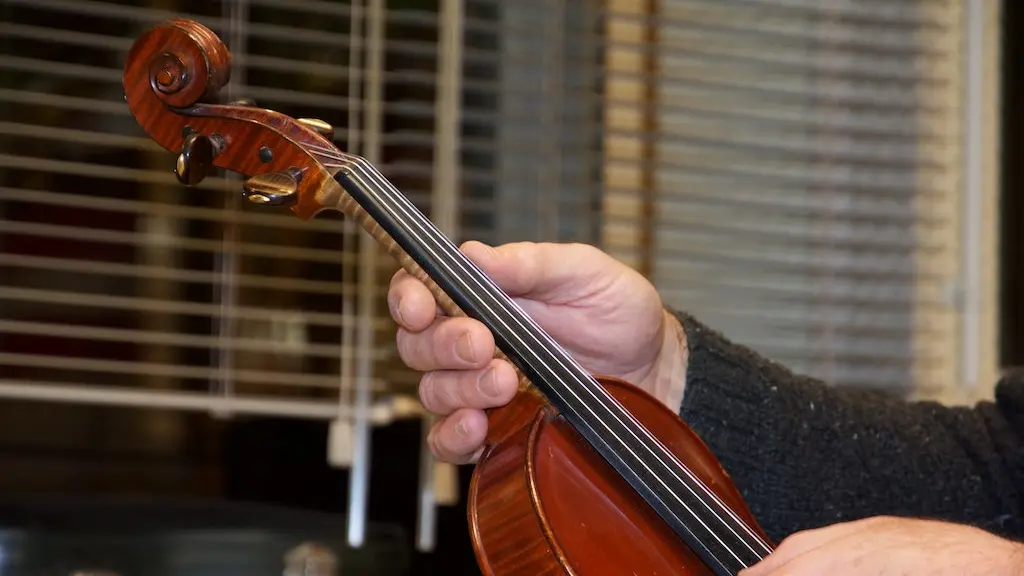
(196, 159)
(274, 188)
(321, 127)
(243, 102)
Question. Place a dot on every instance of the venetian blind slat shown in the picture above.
(797, 144)
(113, 273)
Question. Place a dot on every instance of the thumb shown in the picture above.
(543, 271)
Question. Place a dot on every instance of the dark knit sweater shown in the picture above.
(805, 455)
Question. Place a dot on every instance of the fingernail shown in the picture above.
(464, 347)
(488, 383)
(461, 429)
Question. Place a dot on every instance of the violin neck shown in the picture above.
(548, 366)
(690, 508)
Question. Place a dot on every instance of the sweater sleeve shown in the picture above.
(805, 454)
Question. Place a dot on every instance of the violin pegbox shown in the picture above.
(195, 161)
(273, 188)
(173, 76)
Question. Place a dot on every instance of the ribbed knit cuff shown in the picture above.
(723, 380)
(733, 402)
(805, 454)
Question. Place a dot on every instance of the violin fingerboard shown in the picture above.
(333, 196)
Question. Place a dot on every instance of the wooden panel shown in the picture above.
(628, 120)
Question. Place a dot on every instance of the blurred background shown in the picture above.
(832, 182)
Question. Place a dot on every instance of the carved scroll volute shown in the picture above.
(172, 77)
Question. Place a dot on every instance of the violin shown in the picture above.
(581, 474)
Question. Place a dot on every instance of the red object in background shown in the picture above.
(52, 246)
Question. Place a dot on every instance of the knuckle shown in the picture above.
(443, 331)
(441, 445)
(433, 443)
(443, 342)
(426, 392)
(449, 396)
(794, 540)
(404, 343)
(582, 248)
(411, 350)
(393, 306)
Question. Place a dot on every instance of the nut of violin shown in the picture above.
(273, 189)
(321, 127)
(196, 159)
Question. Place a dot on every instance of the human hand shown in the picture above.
(607, 315)
(886, 545)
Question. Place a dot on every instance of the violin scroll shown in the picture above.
(196, 158)
(172, 81)
(544, 498)
(185, 61)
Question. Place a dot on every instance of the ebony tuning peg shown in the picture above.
(274, 188)
(196, 159)
(321, 127)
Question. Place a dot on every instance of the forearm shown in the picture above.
(805, 454)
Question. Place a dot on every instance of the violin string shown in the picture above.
(603, 422)
(355, 161)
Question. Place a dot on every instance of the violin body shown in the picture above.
(581, 475)
(543, 502)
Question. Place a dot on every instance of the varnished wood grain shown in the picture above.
(244, 131)
(542, 502)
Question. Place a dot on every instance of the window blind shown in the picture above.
(804, 163)
(120, 286)
(792, 172)
(116, 276)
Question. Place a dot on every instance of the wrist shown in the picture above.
(1001, 557)
(668, 377)
(1015, 561)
